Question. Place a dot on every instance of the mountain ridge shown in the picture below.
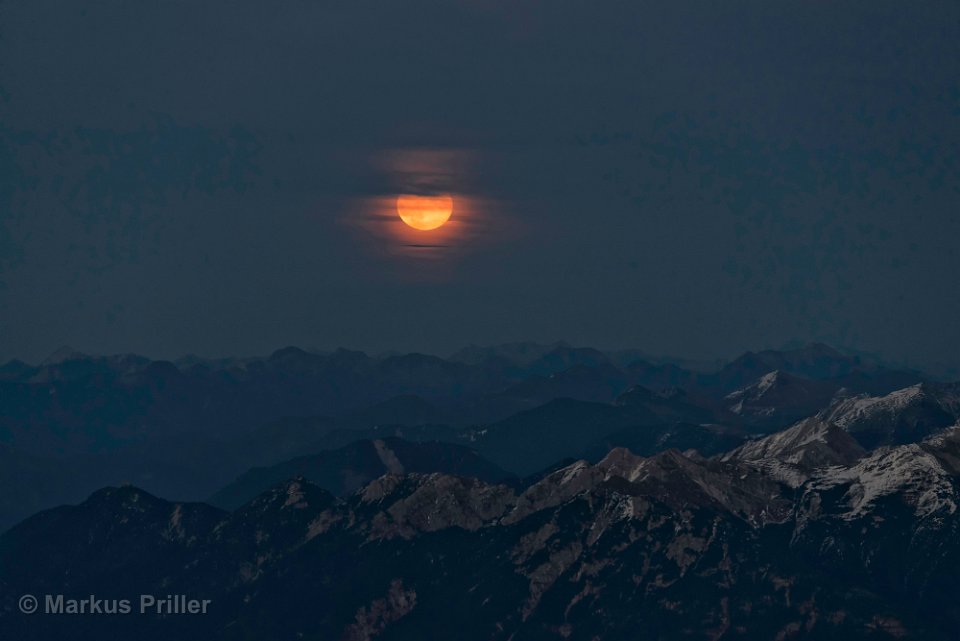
(546, 559)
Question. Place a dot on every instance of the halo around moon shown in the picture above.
(424, 212)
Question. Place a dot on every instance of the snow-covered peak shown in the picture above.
(848, 411)
(778, 398)
(908, 470)
(757, 388)
(792, 454)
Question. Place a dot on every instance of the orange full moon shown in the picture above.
(424, 212)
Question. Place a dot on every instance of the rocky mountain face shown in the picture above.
(342, 471)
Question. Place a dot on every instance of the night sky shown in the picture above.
(688, 178)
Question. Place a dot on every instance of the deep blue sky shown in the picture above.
(693, 178)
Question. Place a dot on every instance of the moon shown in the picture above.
(424, 212)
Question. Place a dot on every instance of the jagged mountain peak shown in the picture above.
(296, 493)
(416, 503)
(851, 408)
(794, 453)
(765, 383)
(672, 477)
(779, 398)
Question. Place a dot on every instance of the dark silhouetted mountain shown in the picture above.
(15, 370)
(185, 467)
(532, 440)
(596, 384)
(75, 404)
(520, 354)
(662, 376)
(563, 357)
(344, 470)
(672, 405)
(399, 410)
(815, 361)
(130, 522)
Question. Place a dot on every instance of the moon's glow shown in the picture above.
(424, 212)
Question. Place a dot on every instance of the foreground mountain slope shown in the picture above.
(663, 547)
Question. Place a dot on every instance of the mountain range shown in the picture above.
(75, 422)
(785, 495)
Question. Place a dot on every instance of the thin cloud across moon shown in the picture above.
(424, 213)
(423, 207)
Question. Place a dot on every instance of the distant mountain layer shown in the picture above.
(73, 403)
(187, 429)
(804, 534)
